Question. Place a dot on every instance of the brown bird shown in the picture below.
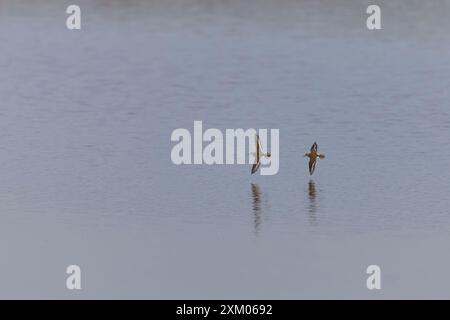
(259, 155)
(313, 155)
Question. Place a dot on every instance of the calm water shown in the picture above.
(86, 176)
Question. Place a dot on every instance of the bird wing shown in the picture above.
(312, 165)
(258, 143)
(258, 149)
(256, 167)
(257, 163)
(314, 147)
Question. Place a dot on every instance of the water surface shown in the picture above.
(85, 124)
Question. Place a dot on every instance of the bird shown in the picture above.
(259, 155)
(313, 155)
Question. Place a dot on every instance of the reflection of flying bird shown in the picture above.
(312, 190)
(256, 195)
(313, 155)
(259, 155)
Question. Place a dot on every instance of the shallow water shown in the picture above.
(85, 124)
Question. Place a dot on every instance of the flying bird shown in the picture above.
(259, 155)
(313, 155)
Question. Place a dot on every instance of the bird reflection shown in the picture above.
(312, 208)
(256, 208)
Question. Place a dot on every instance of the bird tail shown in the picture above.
(321, 156)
